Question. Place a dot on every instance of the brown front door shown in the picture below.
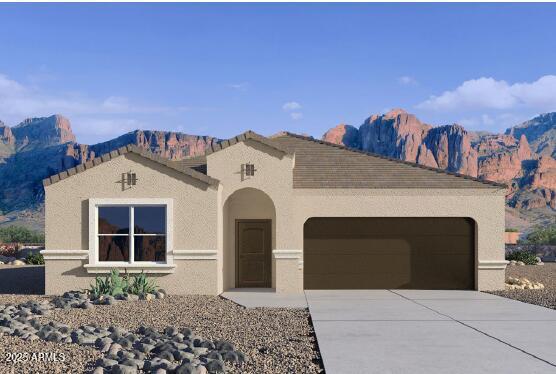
(253, 249)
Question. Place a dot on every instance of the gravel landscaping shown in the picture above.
(269, 340)
(545, 274)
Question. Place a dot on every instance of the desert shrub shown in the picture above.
(542, 235)
(141, 285)
(20, 234)
(114, 284)
(100, 287)
(511, 229)
(528, 257)
(35, 259)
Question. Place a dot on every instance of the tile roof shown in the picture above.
(319, 164)
(129, 149)
(248, 135)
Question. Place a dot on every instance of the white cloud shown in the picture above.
(116, 103)
(291, 105)
(406, 80)
(105, 128)
(489, 93)
(8, 86)
(296, 115)
(492, 122)
(242, 86)
(91, 117)
(293, 108)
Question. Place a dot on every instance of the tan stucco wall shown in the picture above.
(290, 276)
(190, 277)
(273, 177)
(193, 221)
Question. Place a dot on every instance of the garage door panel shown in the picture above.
(330, 264)
(342, 227)
(404, 253)
(357, 246)
(355, 281)
(428, 244)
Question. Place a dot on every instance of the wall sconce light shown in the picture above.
(131, 179)
(247, 170)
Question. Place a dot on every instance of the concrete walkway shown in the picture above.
(264, 298)
(412, 331)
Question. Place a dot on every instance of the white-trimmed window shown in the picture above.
(131, 233)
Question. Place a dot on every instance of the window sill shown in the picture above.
(131, 268)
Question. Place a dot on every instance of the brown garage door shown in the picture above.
(410, 253)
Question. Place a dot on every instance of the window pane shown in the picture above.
(113, 248)
(150, 248)
(150, 220)
(113, 220)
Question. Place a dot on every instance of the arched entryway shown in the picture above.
(249, 238)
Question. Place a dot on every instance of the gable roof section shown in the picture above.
(199, 163)
(129, 149)
(320, 164)
(248, 135)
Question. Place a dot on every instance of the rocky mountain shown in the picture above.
(522, 157)
(7, 142)
(42, 132)
(39, 147)
(399, 134)
(540, 132)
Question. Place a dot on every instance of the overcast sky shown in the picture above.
(220, 69)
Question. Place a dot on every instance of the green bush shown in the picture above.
(511, 229)
(20, 234)
(35, 259)
(111, 285)
(114, 284)
(542, 235)
(100, 287)
(141, 285)
(528, 257)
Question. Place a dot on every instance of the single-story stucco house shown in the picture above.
(285, 212)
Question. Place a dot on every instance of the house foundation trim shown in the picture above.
(64, 254)
(195, 254)
(131, 268)
(492, 265)
(287, 253)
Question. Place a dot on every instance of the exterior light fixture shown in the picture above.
(250, 170)
(247, 170)
(131, 179)
(128, 180)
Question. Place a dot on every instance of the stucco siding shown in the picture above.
(190, 277)
(67, 214)
(273, 178)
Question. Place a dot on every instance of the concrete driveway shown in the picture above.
(414, 331)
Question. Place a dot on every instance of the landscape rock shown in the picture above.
(523, 284)
(215, 366)
(124, 351)
(159, 295)
(123, 369)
